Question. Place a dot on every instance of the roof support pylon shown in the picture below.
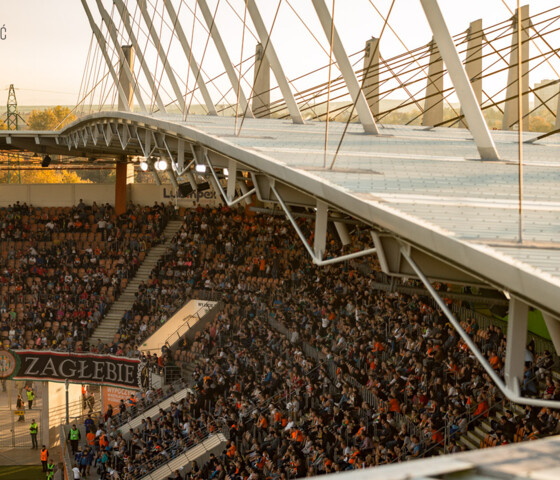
(123, 12)
(557, 124)
(103, 47)
(473, 114)
(274, 61)
(473, 60)
(224, 56)
(433, 105)
(125, 65)
(371, 75)
(358, 97)
(190, 58)
(142, 6)
(261, 84)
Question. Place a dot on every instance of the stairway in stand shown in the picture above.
(110, 322)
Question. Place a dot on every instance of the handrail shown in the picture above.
(66, 460)
(157, 399)
(191, 443)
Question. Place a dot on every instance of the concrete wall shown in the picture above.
(56, 195)
(179, 324)
(147, 194)
(57, 406)
(64, 195)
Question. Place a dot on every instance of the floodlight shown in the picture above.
(161, 165)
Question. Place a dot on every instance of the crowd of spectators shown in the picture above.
(360, 377)
(392, 379)
(61, 268)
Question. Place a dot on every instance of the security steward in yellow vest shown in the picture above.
(74, 437)
(33, 429)
(30, 397)
(50, 470)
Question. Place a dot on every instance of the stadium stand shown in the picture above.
(305, 371)
(60, 269)
(358, 377)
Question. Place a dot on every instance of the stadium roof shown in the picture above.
(426, 187)
(537, 460)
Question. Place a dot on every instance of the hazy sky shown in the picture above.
(47, 40)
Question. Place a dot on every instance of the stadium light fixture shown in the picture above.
(226, 172)
(46, 161)
(161, 165)
(200, 168)
(144, 166)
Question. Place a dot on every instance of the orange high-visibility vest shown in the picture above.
(44, 455)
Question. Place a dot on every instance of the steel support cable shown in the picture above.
(97, 73)
(499, 24)
(82, 83)
(211, 81)
(550, 21)
(121, 30)
(241, 20)
(459, 116)
(406, 48)
(243, 77)
(93, 74)
(405, 88)
(186, 110)
(520, 120)
(86, 95)
(89, 74)
(496, 104)
(404, 85)
(230, 89)
(158, 51)
(306, 27)
(149, 41)
(383, 94)
(265, 48)
(309, 94)
(104, 86)
(331, 45)
(385, 23)
(340, 85)
(240, 63)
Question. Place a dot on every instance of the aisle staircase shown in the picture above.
(110, 324)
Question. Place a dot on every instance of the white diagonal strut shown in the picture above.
(123, 12)
(190, 58)
(316, 259)
(358, 97)
(463, 88)
(123, 61)
(224, 56)
(142, 4)
(274, 61)
(103, 47)
(512, 394)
